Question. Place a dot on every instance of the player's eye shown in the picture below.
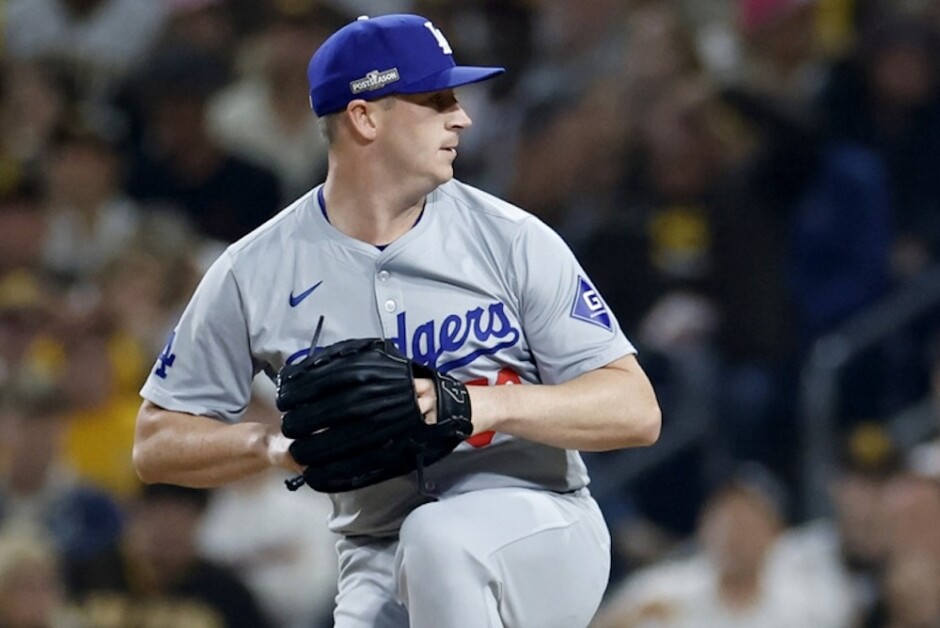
(442, 100)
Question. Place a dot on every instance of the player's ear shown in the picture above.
(360, 115)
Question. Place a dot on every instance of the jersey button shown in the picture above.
(384, 275)
(390, 305)
(429, 485)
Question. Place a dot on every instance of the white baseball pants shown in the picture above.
(496, 558)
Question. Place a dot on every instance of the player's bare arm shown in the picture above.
(609, 408)
(198, 451)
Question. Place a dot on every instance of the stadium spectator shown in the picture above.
(910, 519)
(265, 117)
(38, 491)
(145, 286)
(784, 57)
(96, 41)
(737, 576)
(22, 226)
(156, 576)
(181, 165)
(912, 593)
(27, 343)
(33, 104)
(89, 218)
(206, 25)
(100, 369)
(850, 543)
(886, 96)
(32, 594)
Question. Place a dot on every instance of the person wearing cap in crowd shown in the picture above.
(868, 460)
(502, 531)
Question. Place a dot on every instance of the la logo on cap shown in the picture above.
(439, 36)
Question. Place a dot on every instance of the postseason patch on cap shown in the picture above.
(589, 307)
(374, 80)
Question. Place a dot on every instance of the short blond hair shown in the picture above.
(327, 126)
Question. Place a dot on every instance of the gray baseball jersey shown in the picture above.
(478, 288)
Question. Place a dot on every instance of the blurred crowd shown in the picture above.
(739, 178)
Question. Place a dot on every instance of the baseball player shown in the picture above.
(503, 344)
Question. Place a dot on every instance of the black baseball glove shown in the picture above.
(352, 411)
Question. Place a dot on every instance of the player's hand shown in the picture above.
(427, 399)
(278, 449)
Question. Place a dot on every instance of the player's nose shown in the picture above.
(460, 119)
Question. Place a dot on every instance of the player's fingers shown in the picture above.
(427, 399)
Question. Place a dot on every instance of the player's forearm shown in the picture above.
(610, 408)
(197, 451)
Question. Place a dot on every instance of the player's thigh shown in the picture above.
(367, 597)
(557, 576)
(546, 554)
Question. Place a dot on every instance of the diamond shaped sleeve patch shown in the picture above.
(589, 307)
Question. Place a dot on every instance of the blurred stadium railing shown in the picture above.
(820, 382)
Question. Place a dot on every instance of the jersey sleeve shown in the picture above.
(206, 367)
(568, 326)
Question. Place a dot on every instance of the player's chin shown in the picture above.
(444, 174)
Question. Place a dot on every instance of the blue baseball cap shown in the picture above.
(389, 54)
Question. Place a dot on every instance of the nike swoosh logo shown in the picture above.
(295, 300)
